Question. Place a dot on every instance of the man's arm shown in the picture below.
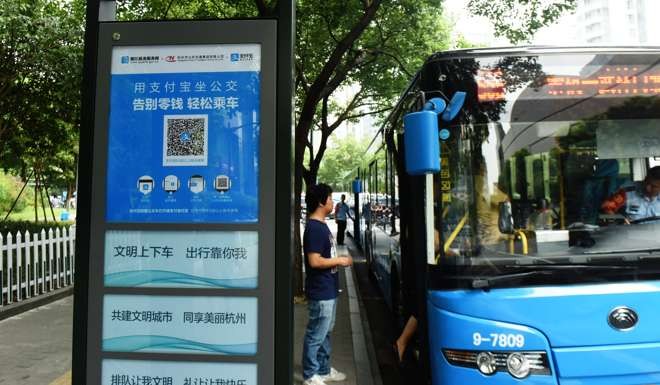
(318, 262)
(614, 203)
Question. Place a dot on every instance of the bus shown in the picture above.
(515, 271)
(376, 221)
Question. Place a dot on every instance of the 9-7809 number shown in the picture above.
(501, 340)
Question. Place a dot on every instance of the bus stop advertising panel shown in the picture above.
(201, 103)
(181, 267)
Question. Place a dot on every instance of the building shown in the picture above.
(594, 22)
(613, 22)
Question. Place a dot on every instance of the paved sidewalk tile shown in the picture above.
(342, 338)
(36, 345)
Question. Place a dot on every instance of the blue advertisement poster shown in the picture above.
(118, 372)
(183, 137)
(197, 259)
(174, 324)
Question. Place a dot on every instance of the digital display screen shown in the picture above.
(608, 81)
(490, 85)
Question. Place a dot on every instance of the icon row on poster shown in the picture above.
(172, 184)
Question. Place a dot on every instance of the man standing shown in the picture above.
(341, 211)
(322, 288)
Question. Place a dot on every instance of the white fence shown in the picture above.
(34, 264)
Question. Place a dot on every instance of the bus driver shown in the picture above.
(638, 201)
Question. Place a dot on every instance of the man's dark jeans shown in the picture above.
(341, 229)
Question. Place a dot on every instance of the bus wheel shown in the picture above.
(397, 300)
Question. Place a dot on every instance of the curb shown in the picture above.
(65, 379)
(35, 302)
(363, 347)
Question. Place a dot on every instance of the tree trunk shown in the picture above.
(302, 127)
(69, 195)
(36, 193)
(50, 204)
(297, 239)
(310, 179)
(41, 195)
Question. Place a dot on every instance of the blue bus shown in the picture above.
(525, 258)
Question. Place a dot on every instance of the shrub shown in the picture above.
(16, 226)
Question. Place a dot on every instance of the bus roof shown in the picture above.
(536, 50)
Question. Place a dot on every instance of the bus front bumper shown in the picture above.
(449, 332)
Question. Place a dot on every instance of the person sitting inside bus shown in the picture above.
(543, 217)
(637, 202)
(604, 182)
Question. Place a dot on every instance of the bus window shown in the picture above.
(556, 146)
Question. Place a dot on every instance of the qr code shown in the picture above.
(185, 140)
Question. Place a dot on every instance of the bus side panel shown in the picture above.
(449, 330)
(382, 262)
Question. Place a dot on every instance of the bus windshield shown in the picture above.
(550, 163)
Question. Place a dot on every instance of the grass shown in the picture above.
(28, 214)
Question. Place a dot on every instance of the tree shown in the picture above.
(40, 74)
(341, 159)
(519, 20)
(374, 46)
(194, 9)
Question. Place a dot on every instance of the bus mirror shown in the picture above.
(505, 218)
(454, 107)
(436, 105)
(357, 186)
(420, 135)
(421, 142)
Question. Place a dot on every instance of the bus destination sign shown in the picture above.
(608, 81)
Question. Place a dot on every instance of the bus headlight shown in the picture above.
(518, 365)
(486, 363)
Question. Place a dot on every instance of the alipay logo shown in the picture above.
(124, 60)
(235, 57)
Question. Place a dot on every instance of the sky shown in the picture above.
(563, 32)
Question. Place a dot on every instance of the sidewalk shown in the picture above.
(350, 353)
(36, 348)
(40, 348)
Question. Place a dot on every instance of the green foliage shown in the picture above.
(378, 63)
(41, 47)
(368, 50)
(341, 160)
(195, 9)
(9, 188)
(519, 20)
(21, 226)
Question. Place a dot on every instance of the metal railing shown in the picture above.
(35, 264)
